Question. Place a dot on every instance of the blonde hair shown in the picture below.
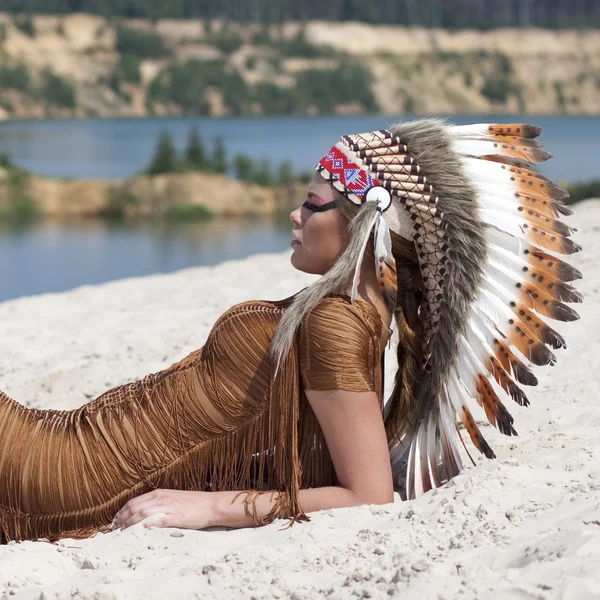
(402, 416)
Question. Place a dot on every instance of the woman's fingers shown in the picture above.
(139, 508)
(158, 518)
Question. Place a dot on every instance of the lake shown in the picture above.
(53, 257)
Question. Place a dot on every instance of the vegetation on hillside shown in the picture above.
(428, 13)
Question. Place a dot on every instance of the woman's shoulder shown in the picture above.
(337, 311)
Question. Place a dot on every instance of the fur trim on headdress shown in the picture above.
(466, 197)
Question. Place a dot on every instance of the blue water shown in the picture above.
(53, 257)
(93, 148)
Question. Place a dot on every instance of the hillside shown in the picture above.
(82, 65)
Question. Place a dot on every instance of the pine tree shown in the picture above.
(195, 156)
(243, 167)
(285, 172)
(165, 156)
(262, 175)
(219, 159)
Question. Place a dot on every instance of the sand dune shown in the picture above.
(526, 525)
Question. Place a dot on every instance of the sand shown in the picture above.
(526, 525)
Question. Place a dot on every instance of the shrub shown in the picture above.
(22, 208)
(299, 46)
(560, 96)
(16, 78)
(226, 41)
(185, 84)
(24, 23)
(119, 199)
(285, 172)
(56, 90)
(143, 44)
(582, 191)
(165, 156)
(496, 88)
(218, 162)
(324, 89)
(129, 67)
(276, 100)
(243, 167)
(3, 32)
(186, 212)
(262, 174)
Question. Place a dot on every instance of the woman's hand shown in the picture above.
(177, 508)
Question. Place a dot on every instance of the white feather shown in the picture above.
(433, 452)
(471, 131)
(356, 278)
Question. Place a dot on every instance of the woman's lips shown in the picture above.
(295, 243)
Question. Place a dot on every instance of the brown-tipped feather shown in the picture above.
(506, 160)
(515, 129)
(534, 185)
(538, 300)
(551, 240)
(495, 411)
(514, 141)
(547, 263)
(556, 289)
(547, 223)
(543, 206)
(513, 364)
(540, 329)
(530, 155)
(475, 434)
(528, 345)
(505, 381)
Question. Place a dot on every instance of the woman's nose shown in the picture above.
(295, 217)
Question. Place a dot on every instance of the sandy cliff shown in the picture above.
(414, 70)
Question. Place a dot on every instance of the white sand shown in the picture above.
(526, 525)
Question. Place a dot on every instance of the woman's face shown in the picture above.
(320, 238)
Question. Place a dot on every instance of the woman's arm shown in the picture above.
(353, 428)
(355, 435)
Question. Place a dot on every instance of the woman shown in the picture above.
(279, 413)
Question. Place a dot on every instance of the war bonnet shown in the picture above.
(486, 230)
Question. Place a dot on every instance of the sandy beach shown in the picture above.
(523, 526)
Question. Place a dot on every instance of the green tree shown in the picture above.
(16, 77)
(195, 155)
(219, 159)
(129, 67)
(165, 156)
(285, 172)
(262, 175)
(243, 167)
(24, 23)
(143, 44)
(56, 90)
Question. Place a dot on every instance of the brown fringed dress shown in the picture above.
(216, 420)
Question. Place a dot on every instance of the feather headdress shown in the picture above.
(485, 228)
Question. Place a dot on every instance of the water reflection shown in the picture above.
(53, 256)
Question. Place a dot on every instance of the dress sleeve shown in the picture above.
(336, 348)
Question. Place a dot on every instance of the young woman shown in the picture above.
(427, 226)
